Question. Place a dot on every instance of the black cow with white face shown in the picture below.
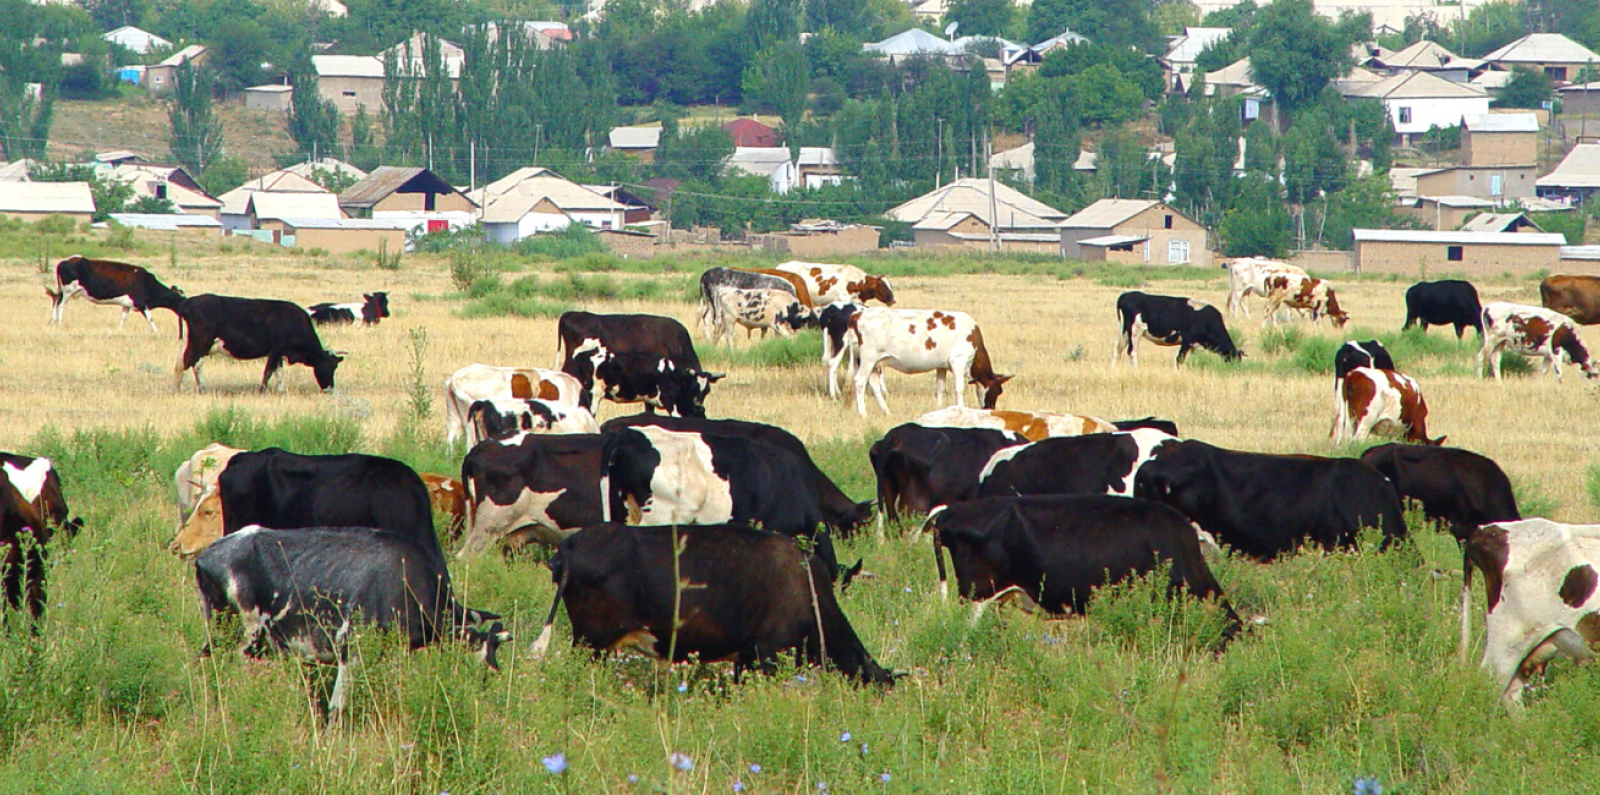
(918, 467)
(655, 381)
(1095, 463)
(252, 328)
(372, 308)
(112, 283)
(834, 319)
(532, 487)
(1170, 321)
(1451, 302)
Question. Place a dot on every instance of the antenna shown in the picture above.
(950, 29)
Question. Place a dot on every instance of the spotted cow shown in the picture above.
(1305, 293)
(1171, 321)
(485, 382)
(1247, 276)
(836, 340)
(1030, 425)
(1373, 400)
(502, 417)
(755, 309)
(829, 283)
(114, 283)
(714, 279)
(1533, 331)
(532, 488)
(919, 341)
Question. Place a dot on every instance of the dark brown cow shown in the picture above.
(1577, 297)
(115, 283)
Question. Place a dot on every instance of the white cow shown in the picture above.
(197, 477)
(1031, 425)
(1541, 579)
(485, 382)
(1246, 276)
(763, 309)
(1533, 331)
(494, 418)
(829, 283)
(920, 341)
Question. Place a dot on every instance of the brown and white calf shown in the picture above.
(1532, 331)
(485, 382)
(829, 283)
(1030, 425)
(1373, 400)
(1305, 293)
(449, 497)
(1247, 276)
(920, 341)
(113, 283)
(753, 309)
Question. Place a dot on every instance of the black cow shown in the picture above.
(1451, 302)
(117, 283)
(1266, 505)
(1353, 354)
(252, 328)
(304, 589)
(752, 595)
(279, 489)
(532, 487)
(32, 509)
(1167, 320)
(841, 514)
(1058, 549)
(713, 278)
(918, 467)
(372, 308)
(834, 319)
(1460, 488)
(39, 483)
(1095, 463)
(662, 336)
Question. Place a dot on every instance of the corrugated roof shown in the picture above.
(385, 180)
(1458, 202)
(1421, 55)
(1580, 252)
(235, 201)
(1579, 169)
(820, 156)
(1065, 38)
(1418, 85)
(344, 223)
(1107, 213)
(1113, 240)
(1491, 80)
(46, 197)
(941, 221)
(1186, 48)
(348, 65)
(165, 222)
(749, 132)
(1234, 74)
(635, 137)
(184, 55)
(912, 42)
(758, 161)
(1461, 238)
(1542, 48)
(270, 205)
(1497, 222)
(1595, 86)
(271, 88)
(1502, 122)
(1016, 210)
(512, 196)
(328, 164)
(135, 39)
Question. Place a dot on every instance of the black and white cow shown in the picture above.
(36, 479)
(1268, 505)
(252, 328)
(918, 467)
(647, 378)
(1451, 302)
(499, 418)
(1167, 321)
(716, 278)
(307, 589)
(532, 488)
(372, 308)
(834, 320)
(1056, 550)
(841, 514)
(115, 283)
(1353, 354)
(752, 595)
(662, 336)
(1095, 463)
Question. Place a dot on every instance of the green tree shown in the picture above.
(845, 16)
(1139, 69)
(238, 47)
(196, 139)
(1258, 224)
(1118, 23)
(1240, 16)
(1106, 96)
(1047, 18)
(693, 153)
(981, 17)
(1221, 53)
(1527, 88)
(313, 121)
(1489, 27)
(152, 205)
(25, 118)
(776, 80)
(770, 22)
(1295, 51)
(1171, 16)
(224, 174)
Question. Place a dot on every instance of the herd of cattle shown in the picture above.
(680, 536)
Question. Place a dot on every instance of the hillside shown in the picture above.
(140, 124)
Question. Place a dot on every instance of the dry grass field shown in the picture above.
(1350, 673)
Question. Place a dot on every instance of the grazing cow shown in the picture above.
(1056, 550)
(1353, 354)
(918, 467)
(1167, 321)
(830, 283)
(24, 532)
(1460, 488)
(197, 476)
(1248, 275)
(252, 328)
(756, 309)
(283, 490)
(1098, 463)
(1374, 400)
(801, 291)
(1451, 302)
(532, 488)
(499, 418)
(1533, 331)
(1540, 578)
(835, 322)
(839, 513)
(39, 484)
(918, 341)
(1267, 505)
(646, 378)
(372, 308)
(306, 589)
(118, 284)
(751, 594)
(1304, 293)
(484, 382)
(1577, 297)
(715, 278)
(1030, 425)
(449, 497)
(662, 336)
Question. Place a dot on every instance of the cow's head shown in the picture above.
(485, 632)
(684, 390)
(795, 317)
(1340, 317)
(875, 287)
(323, 368)
(989, 388)
(202, 529)
(379, 303)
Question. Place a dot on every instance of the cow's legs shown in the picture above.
(274, 363)
(148, 319)
(341, 682)
(123, 321)
(939, 377)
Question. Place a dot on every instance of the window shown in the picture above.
(1556, 73)
(161, 190)
(1169, 222)
(1122, 247)
(1405, 115)
(1496, 184)
(1453, 253)
(349, 93)
(1177, 251)
(427, 201)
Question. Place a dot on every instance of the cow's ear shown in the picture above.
(1000, 379)
(715, 377)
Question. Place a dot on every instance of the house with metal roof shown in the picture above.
(959, 214)
(172, 183)
(534, 199)
(1435, 254)
(911, 43)
(202, 225)
(1185, 49)
(32, 201)
(1581, 99)
(1420, 101)
(769, 163)
(1500, 139)
(1501, 222)
(135, 39)
(395, 190)
(1576, 178)
(328, 165)
(749, 132)
(641, 142)
(1134, 231)
(158, 77)
(235, 212)
(1552, 53)
(350, 82)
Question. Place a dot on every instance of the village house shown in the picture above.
(32, 201)
(959, 214)
(172, 183)
(1575, 179)
(1500, 139)
(1420, 101)
(1134, 231)
(416, 195)
(534, 199)
(1556, 55)
(1473, 254)
(235, 211)
(641, 142)
(158, 78)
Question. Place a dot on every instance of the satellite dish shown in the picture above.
(950, 29)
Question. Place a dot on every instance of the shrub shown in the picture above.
(120, 237)
(574, 241)
(54, 225)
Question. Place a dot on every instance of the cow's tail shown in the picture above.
(563, 575)
(1466, 604)
(938, 550)
(1341, 413)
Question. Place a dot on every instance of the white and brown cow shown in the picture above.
(485, 382)
(197, 477)
(1247, 276)
(1031, 425)
(1306, 293)
(829, 283)
(1532, 331)
(1540, 578)
(761, 308)
(497, 418)
(1373, 400)
(920, 341)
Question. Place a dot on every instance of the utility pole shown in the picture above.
(994, 215)
(538, 135)
(472, 165)
(938, 166)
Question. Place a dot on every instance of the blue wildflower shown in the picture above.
(555, 763)
(863, 749)
(633, 778)
(1367, 785)
(682, 761)
(844, 738)
(755, 768)
(738, 786)
(884, 778)
(683, 687)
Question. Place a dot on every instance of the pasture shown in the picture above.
(1350, 672)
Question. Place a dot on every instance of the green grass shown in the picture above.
(802, 350)
(536, 295)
